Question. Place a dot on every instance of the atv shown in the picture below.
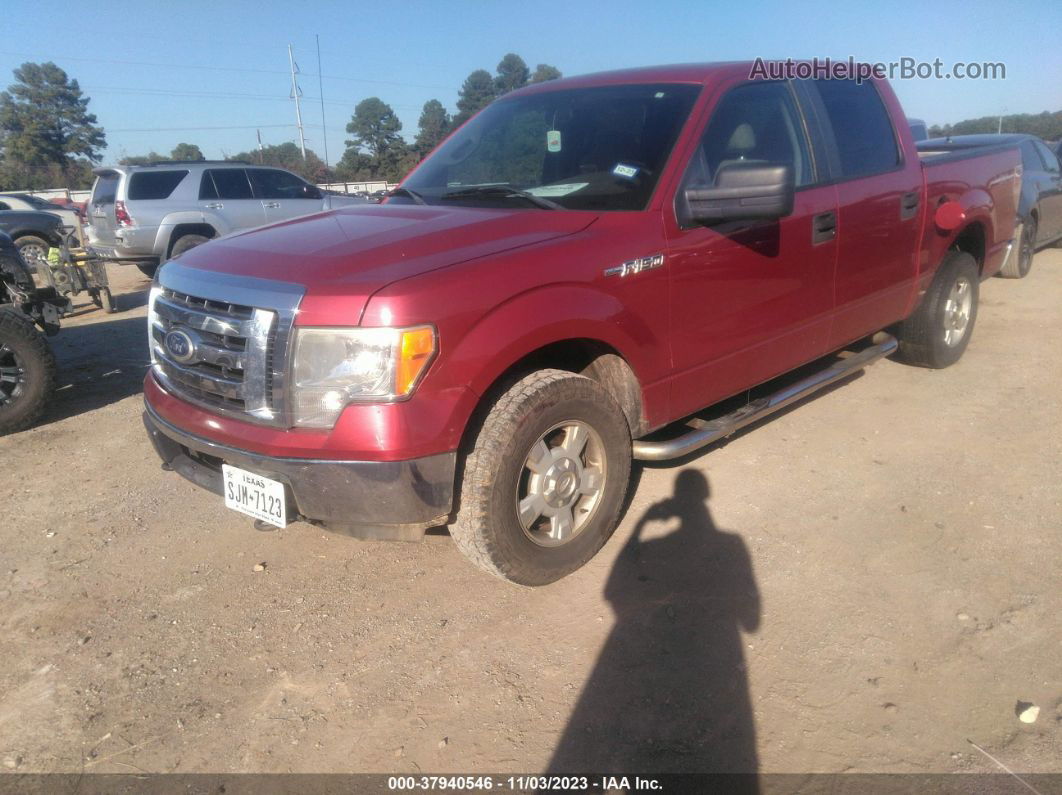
(27, 366)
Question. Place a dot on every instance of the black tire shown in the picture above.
(924, 336)
(1018, 267)
(36, 250)
(186, 242)
(107, 302)
(26, 356)
(488, 529)
(148, 270)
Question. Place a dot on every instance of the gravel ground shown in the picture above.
(868, 582)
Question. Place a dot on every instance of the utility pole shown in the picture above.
(320, 91)
(296, 93)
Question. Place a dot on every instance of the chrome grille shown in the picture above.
(235, 330)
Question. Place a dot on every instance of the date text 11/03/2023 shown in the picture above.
(525, 783)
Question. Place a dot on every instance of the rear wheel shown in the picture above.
(937, 334)
(186, 242)
(544, 484)
(1018, 267)
(148, 270)
(27, 371)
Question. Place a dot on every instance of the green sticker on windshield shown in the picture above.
(553, 141)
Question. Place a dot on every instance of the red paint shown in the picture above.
(724, 312)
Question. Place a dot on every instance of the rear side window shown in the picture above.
(225, 183)
(154, 184)
(105, 189)
(4, 206)
(861, 127)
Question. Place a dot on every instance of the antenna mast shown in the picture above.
(296, 93)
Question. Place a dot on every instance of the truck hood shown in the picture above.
(355, 251)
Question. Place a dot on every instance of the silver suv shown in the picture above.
(147, 214)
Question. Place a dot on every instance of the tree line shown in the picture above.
(1043, 125)
(48, 138)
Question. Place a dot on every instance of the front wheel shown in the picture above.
(27, 371)
(937, 334)
(544, 484)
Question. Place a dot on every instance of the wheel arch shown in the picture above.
(189, 228)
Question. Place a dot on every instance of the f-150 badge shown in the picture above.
(636, 265)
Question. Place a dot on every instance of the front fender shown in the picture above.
(545, 315)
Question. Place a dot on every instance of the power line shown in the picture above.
(115, 62)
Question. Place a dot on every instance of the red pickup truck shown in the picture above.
(576, 269)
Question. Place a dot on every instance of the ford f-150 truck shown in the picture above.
(576, 269)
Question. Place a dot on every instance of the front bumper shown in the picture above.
(390, 500)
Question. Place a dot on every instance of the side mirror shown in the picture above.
(743, 192)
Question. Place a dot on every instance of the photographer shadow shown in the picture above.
(669, 693)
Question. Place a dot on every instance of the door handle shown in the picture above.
(909, 205)
(271, 205)
(214, 205)
(823, 228)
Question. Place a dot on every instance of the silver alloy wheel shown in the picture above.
(12, 375)
(561, 483)
(33, 253)
(957, 311)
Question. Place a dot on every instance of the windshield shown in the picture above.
(581, 149)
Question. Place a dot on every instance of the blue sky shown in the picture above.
(164, 68)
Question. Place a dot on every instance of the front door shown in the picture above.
(750, 300)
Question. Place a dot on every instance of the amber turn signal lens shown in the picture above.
(415, 353)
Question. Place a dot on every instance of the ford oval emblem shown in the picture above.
(180, 345)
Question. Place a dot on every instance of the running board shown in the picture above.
(704, 432)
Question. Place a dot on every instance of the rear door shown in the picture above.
(750, 299)
(284, 195)
(225, 196)
(879, 194)
(1050, 186)
(101, 207)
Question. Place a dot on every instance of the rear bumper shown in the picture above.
(393, 500)
(120, 254)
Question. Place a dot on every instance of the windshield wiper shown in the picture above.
(416, 197)
(502, 192)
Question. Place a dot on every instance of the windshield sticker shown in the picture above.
(557, 190)
(625, 171)
(553, 140)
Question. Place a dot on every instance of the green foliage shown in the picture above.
(375, 127)
(185, 151)
(1044, 125)
(544, 72)
(46, 131)
(512, 74)
(288, 155)
(142, 160)
(476, 93)
(433, 126)
(377, 150)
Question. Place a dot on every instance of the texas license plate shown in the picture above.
(254, 495)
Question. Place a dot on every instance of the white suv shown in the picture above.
(147, 214)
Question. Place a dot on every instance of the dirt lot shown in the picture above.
(862, 584)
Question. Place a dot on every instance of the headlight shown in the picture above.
(337, 366)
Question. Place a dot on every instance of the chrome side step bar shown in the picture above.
(704, 432)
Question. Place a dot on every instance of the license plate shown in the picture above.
(254, 495)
